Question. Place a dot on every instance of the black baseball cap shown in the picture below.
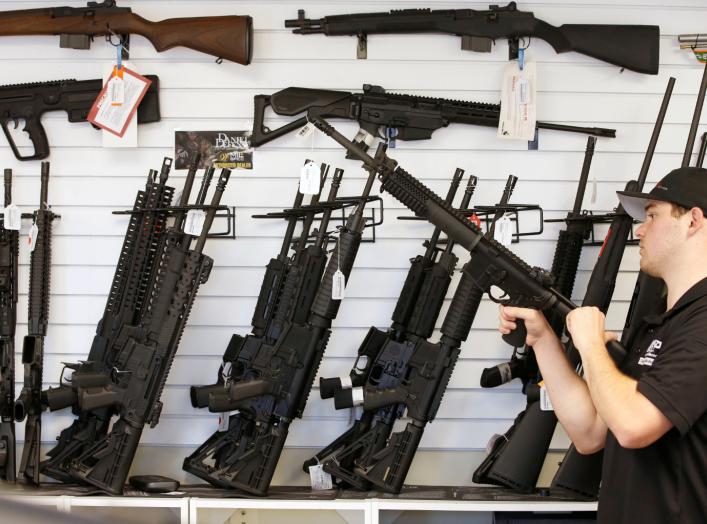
(685, 186)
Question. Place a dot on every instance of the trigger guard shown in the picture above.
(499, 300)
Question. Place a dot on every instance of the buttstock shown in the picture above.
(227, 37)
(633, 47)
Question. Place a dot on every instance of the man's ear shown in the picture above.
(697, 219)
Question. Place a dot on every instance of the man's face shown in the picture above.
(661, 237)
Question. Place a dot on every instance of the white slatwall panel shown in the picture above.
(88, 182)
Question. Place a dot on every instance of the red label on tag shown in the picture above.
(476, 220)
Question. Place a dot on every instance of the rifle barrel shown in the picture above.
(695, 120)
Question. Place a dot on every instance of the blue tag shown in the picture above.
(521, 58)
(390, 134)
(119, 49)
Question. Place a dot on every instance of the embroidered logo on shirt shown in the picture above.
(651, 353)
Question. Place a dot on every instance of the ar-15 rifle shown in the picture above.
(128, 382)
(274, 304)
(515, 460)
(403, 117)
(31, 101)
(9, 250)
(126, 300)
(419, 386)
(581, 474)
(269, 383)
(29, 404)
(635, 47)
(493, 265)
(382, 356)
(228, 37)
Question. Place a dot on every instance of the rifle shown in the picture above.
(126, 300)
(269, 383)
(581, 474)
(226, 37)
(404, 117)
(9, 249)
(418, 385)
(29, 403)
(75, 97)
(142, 354)
(635, 47)
(385, 354)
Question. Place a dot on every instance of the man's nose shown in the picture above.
(640, 230)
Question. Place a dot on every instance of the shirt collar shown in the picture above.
(697, 291)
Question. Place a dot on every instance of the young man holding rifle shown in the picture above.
(649, 414)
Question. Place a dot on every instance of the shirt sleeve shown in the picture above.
(676, 383)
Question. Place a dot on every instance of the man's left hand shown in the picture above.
(586, 327)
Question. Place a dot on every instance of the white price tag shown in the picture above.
(194, 222)
(338, 285)
(113, 117)
(116, 91)
(32, 238)
(13, 217)
(319, 478)
(346, 382)
(310, 178)
(306, 130)
(503, 232)
(223, 419)
(545, 404)
(518, 102)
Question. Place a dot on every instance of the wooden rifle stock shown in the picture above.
(227, 37)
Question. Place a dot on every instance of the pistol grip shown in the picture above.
(33, 127)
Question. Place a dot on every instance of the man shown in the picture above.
(650, 414)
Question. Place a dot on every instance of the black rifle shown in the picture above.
(382, 356)
(533, 436)
(124, 306)
(635, 47)
(406, 117)
(270, 310)
(30, 101)
(9, 249)
(29, 404)
(270, 383)
(525, 444)
(418, 386)
(581, 474)
(494, 265)
(143, 353)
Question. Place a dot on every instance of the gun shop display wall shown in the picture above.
(349, 250)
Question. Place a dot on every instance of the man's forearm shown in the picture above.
(569, 394)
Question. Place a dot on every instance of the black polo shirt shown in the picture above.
(666, 482)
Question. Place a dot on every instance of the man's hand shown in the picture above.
(586, 327)
(536, 324)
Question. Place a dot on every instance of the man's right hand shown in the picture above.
(536, 325)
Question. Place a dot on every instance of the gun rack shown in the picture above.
(228, 213)
(373, 219)
(604, 218)
(486, 215)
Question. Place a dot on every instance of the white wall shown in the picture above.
(88, 182)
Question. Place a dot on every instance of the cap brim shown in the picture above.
(634, 204)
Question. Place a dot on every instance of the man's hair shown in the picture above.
(677, 211)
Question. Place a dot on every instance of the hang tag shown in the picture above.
(223, 421)
(319, 479)
(306, 130)
(518, 102)
(503, 232)
(310, 178)
(545, 404)
(115, 118)
(194, 222)
(116, 87)
(338, 285)
(32, 238)
(593, 198)
(13, 217)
